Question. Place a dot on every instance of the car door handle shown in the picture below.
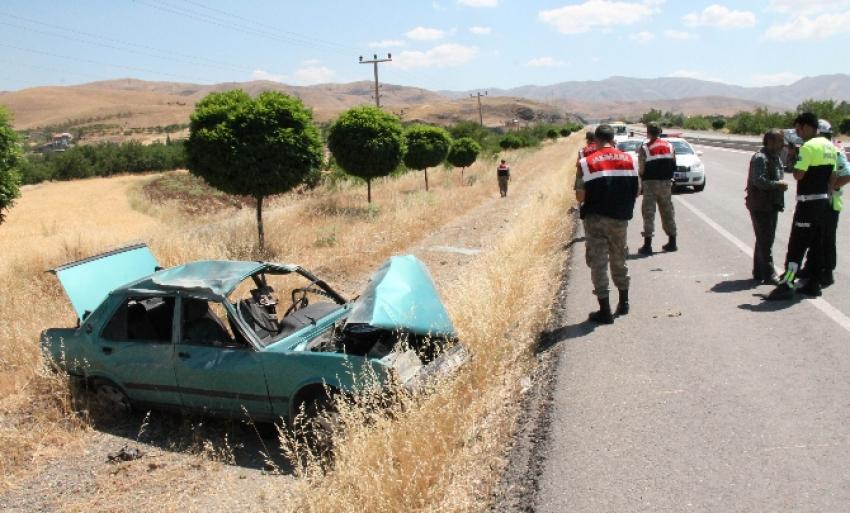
(183, 355)
(106, 350)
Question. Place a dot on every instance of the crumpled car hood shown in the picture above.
(401, 296)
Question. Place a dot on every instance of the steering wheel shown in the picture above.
(298, 301)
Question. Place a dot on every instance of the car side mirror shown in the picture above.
(699, 153)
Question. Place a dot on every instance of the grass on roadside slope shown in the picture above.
(445, 452)
(332, 232)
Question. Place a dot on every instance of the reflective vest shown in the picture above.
(817, 160)
(660, 161)
(503, 170)
(588, 150)
(610, 179)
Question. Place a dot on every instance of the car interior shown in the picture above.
(142, 319)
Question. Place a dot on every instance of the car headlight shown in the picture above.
(698, 168)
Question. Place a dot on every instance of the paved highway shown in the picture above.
(704, 398)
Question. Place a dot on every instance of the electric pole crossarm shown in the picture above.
(375, 61)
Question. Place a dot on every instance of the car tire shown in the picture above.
(316, 424)
(700, 188)
(109, 399)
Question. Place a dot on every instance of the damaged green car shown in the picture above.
(213, 337)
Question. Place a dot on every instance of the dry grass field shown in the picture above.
(440, 453)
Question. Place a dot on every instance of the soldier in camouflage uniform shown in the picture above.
(607, 187)
(657, 163)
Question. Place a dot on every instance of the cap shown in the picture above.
(824, 127)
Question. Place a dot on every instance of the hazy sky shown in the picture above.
(436, 44)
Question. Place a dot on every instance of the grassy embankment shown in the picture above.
(335, 234)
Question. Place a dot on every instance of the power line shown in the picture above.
(99, 63)
(165, 53)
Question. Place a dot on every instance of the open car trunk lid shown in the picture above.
(401, 297)
(87, 282)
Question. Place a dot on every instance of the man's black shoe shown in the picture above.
(811, 288)
(827, 279)
(782, 292)
(604, 315)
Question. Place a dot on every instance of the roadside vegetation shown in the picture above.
(756, 122)
(9, 160)
(325, 229)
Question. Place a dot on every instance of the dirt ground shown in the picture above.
(220, 465)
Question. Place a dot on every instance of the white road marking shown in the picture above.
(820, 303)
(729, 150)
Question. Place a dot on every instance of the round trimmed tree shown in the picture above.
(9, 157)
(367, 142)
(463, 153)
(427, 146)
(253, 146)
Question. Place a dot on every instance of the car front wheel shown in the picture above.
(109, 399)
(700, 187)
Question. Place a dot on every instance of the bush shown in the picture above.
(565, 132)
(844, 126)
(552, 134)
(718, 124)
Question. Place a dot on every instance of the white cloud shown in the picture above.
(425, 34)
(260, 74)
(481, 31)
(545, 62)
(479, 3)
(386, 43)
(642, 37)
(720, 16)
(679, 34)
(808, 7)
(441, 56)
(810, 27)
(584, 17)
(314, 74)
(784, 78)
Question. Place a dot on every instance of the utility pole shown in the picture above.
(375, 61)
(480, 112)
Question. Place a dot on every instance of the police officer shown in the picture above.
(765, 199)
(503, 175)
(814, 172)
(607, 186)
(657, 163)
(839, 180)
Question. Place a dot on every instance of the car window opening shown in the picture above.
(142, 320)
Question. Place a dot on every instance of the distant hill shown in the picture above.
(625, 89)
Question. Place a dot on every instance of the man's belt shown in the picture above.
(812, 197)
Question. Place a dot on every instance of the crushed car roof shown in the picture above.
(205, 279)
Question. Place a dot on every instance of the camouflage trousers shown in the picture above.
(658, 192)
(606, 244)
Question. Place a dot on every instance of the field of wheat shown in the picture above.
(439, 454)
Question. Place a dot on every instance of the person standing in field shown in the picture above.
(657, 163)
(503, 175)
(607, 187)
(765, 199)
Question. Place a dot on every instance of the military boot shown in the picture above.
(604, 315)
(671, 245)
(646, 249)
(623, 304)
(812, 288)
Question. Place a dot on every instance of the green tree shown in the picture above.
(565, 132)
(254, 147)
(552, 134)
(844, 126)
(427, 146)
(718, 124)
(10, 156)
(463, 153)
(367, 142)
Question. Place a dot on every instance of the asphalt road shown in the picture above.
(704, 398)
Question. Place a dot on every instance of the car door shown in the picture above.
(135, 349)
(217, 371)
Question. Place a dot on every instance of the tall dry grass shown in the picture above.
(332, 232)
(444, 452)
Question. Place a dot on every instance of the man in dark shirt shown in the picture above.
(765, 199)
(503, 174)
